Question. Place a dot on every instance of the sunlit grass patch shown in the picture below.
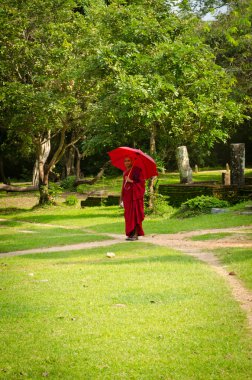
(239, 261)
(214, 236)
(149, 313)
(16, 236)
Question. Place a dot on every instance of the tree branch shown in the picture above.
(17, 188)
(95, 179)
(58, 152)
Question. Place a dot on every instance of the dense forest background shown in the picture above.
(79, 78)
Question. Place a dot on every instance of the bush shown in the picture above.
(54, 191)
(68, 183)
(71, 200)
(160, 206)
(200, 205)
(160, 202)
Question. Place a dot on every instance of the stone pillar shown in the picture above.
(226, 178)
(185, 170)
(237, 164)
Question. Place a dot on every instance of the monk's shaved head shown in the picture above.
(128, 161)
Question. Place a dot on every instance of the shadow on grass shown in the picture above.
(13, 210)
(85, 257)
(10, 223)
(48, 218)
(147, 260)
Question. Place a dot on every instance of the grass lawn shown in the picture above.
(149, 313)
(114, 184)
(238, 260)
(17, 236)
(110, 219)
(215, 236)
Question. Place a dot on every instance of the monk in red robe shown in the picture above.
(132, 196)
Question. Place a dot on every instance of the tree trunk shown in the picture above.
(153, 140)
(237, 164)
(185, 170)
(152, 179)
(35, 174)
(40, 173)
(79, 157)
(78, 170)
(2, 174)
(19, 189)
(69, 161)
(151, 192)
(43, 151)
(44, 191)
(45, 168)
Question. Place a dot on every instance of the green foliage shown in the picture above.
(157, 75)
(231, 37)
(54, 191)
(117, 73)
(68, 183)
(36, 65)
(204, 203)
(200, 205)
(156, 204)
(41, 98)
(161, 206)
(71, 200)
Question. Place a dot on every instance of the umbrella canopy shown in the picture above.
(140, 159)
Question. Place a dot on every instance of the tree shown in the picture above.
(41, 101)
(158, 79)
(230, 37)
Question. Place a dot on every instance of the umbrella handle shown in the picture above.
(130, 172)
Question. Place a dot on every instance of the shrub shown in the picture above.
(200, 205)
(81, 188)
(160, 202)
(54, 191)
(71, 200)
(68, 183)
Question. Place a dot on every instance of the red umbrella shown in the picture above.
(140, 159)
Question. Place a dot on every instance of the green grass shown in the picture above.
(179, 320)
(58, 313)
(18, 236)
(113, 185)
(215, 236)
(238, 260)
(110, 219)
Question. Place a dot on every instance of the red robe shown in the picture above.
(133, 201)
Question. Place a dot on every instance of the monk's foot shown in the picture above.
(132, 238)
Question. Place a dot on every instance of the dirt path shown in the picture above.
(62, 248)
